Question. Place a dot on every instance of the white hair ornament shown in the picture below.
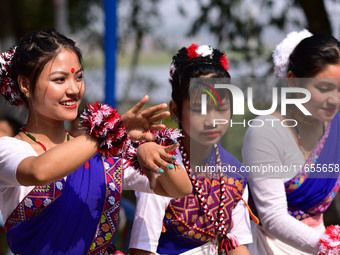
(285, 49)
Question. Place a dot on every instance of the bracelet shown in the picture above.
(330, 241)
(165, 137)
(104, 123)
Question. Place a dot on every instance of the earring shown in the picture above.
(27, 94)
(176, 119)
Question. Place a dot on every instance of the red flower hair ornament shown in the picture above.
(193, 52)
(8, 87)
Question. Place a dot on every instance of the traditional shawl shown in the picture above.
(78, 215)
(313, 189)
(185, 224)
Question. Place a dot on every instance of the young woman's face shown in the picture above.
(59, 88)
(202, 128)
(325, 93)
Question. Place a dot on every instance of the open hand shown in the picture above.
(138, 123)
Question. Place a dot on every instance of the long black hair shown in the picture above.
(313, 54)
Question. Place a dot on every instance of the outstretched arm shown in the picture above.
(57, 162)
(65, 158)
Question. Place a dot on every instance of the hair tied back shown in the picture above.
(285, 49)
(200, 54)
(8, 87)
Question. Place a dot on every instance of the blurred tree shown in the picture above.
(239, 24)
(22, 16)
(137, 22)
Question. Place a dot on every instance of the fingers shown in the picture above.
(140, 104)
(157, 126)
(139, 135)
(170, 148)
(158, 116)
(161, 162)
(152, 110)
(146, 136)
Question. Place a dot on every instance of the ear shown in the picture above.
(291, 82)
(290, 74)
(24, 84)
(173, 109)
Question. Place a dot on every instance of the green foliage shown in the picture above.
(22, 16)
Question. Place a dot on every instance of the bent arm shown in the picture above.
(173, 183)
(57, 162)
(273, 147)
(270, 199)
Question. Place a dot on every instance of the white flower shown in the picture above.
(284, 49)
(59, 185)
(28, 202)
(204, 50)
(47, 201)
(112, 200)
(112, 186)
(106, 165)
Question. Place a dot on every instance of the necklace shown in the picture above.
(300, 140)
(35, 140)
(220, 224)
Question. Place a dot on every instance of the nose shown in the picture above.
(209, 120)
(334, 99)
(73, 87)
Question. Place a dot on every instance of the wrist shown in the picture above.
(104, 124)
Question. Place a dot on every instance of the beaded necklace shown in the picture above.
(220, 223)
(300, 140)
(228, 242)
(35, 140)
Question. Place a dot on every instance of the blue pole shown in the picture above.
(110, 46)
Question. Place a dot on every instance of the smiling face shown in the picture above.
(59, 88)
(325, 93)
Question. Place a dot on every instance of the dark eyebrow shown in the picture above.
(57, 72)
(325, 83)
(65, 73)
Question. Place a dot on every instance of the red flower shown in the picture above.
(224, 61)
(29, 213)
(192, 51)
(57, 193)
(37, 203)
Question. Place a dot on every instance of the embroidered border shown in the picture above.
(35, 203)
(110, 215)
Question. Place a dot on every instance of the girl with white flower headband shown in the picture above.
(290, 208)
(59, 195)
(215, 216)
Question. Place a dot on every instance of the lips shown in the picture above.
(331, 110)
(211, 134)
(69, 104)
